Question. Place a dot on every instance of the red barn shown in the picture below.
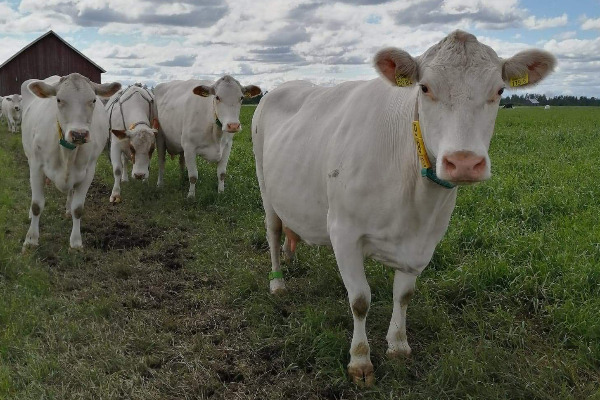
(46, 56)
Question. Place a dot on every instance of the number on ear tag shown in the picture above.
(520, 80)
(403, 81)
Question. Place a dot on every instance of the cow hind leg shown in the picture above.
(349, 256)
(404, 286)
(273, 225)
(36, 179)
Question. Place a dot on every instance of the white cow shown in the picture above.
(131, 114)
(199, 117)
(11, 108)
(339, 166)
(65, 129)
(547, 107)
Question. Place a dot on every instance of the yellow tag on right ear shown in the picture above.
(520, 80)
(403, 81)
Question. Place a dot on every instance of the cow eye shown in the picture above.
(500, 92)
(217, 98)
(94, 101)
(424, 88)
(57, 100)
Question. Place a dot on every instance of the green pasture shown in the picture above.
(169, 299)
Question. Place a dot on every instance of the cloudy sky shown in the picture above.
(267, 42)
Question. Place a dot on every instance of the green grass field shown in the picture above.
(169, 299)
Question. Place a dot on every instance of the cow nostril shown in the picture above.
(480, 166)
(448, 165)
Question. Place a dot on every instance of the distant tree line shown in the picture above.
(522, 100)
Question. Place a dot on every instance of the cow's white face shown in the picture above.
(227, 96)
(75, 99)
(142, 141)
(459, 83)
(15, 107)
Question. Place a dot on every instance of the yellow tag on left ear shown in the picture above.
(403, 81)
(520, 80)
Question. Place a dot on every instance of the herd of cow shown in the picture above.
(369, 168)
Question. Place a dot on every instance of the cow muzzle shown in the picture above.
(79, 136)
(464, 167)
(233, 127)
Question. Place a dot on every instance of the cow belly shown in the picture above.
(300, 203)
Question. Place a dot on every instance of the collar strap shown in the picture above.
(426, 167)
(217, 120)
(132, 126)
(61, 138)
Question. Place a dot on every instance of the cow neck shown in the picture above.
(61, 138)
(427, 169)
(217, 120)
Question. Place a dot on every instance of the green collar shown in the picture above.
(61, 138)
(218, 122)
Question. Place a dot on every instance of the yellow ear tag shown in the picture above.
(403, 81)
(520, 80)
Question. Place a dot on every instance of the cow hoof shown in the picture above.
(115, 198)
(76, 248)
(400, 350)
(191, 195)
(362, 375)
(277, 287)
(28, 246)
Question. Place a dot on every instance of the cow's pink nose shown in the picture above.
(464, 166)
(233, 126)
(80, 136)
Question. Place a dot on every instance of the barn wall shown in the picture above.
(50, 56)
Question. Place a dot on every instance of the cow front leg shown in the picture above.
(36, 180)
(124, 175)
(161, 149)
(349, 256)
(115, 158)
(190, 163)
(77, 207)
(222, 166)
(404, 287)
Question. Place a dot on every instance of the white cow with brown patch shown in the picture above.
(339, 165)
(199, 118)
(134, 128)
(65, 129)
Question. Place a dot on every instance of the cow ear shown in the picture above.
(251, 91)
(397, 66)
(528, 67)
(106, 89)
(119, 134)
(204, 90)
(41, 89)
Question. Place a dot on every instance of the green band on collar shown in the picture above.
(218, 122)
(66, 144)
(275, 275)
(431, 175)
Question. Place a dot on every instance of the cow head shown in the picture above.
(228, 95)
(15, 107)
(459, 82)
(75, 99)
(141, 140)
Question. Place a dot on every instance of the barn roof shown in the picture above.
(51, 32)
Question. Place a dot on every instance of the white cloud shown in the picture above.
(533, 22)
(590, 23)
